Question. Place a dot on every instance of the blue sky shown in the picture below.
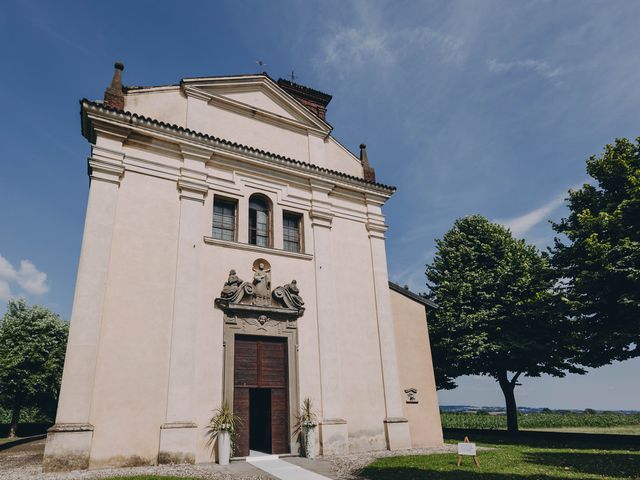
(467, 106)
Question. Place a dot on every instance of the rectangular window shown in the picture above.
(224, 219)
(291, 234)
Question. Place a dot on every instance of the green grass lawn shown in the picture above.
(532, 460)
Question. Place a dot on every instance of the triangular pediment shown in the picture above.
(255, 93)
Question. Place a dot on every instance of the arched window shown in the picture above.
(259, 221)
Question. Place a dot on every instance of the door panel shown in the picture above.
(246, 365)
(274, 364)
(279, 421)
(241, 409)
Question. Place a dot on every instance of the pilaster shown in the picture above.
(333, 427)
(178, 435)
(69, 440)
(396, 426)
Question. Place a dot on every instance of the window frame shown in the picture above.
(269, 223)
(229, 202)
(299, 217)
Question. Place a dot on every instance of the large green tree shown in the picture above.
(32, 349)
(497, 314)
(600, 262)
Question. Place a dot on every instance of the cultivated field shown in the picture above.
(606, 422)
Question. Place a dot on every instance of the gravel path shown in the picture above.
(24, 462)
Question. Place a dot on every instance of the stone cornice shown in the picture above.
(321, 218)
(94, 113)
(192, 189)
(108, 171)
(71, 427)
(376, 230)
(230, 307)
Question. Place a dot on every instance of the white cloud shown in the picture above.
(5, 291)
(31, 279)
(27, 277)
(539, 67)
(7, 272)
(364, 45)
(521, 225)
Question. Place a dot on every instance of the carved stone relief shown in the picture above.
(257, 295)
(411, 395)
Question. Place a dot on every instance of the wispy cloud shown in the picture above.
(522, 224)
(363, 45)
(27, 277)
(414, 275)
(541, 68)
(42, 19)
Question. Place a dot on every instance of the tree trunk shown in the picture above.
(15, 417)
(510, 400)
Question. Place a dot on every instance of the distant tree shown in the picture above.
(497, 314)
(601, 260)
(32, 349)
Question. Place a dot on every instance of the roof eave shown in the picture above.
(413, 296)
(385, 190)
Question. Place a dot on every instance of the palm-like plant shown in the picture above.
(224, 420)
(306, 421)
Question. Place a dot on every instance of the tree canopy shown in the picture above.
(600, 262)
(32, 349)
(497, 313)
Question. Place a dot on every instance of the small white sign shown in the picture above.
(467, 448)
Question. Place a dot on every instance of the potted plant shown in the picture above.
(224, 426)
(307, 423)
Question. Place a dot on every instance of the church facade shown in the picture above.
(233, 251)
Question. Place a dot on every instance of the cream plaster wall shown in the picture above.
(358, 336)
(130, 387)
(416, 370)
(260, 100)
(337, 158)
(243, 129)
(168, 105)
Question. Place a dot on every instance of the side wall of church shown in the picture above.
(416, 370)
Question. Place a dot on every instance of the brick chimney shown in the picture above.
(114, 94)
(369, 172)
(314, 100)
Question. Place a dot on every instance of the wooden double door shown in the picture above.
(260, 394)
